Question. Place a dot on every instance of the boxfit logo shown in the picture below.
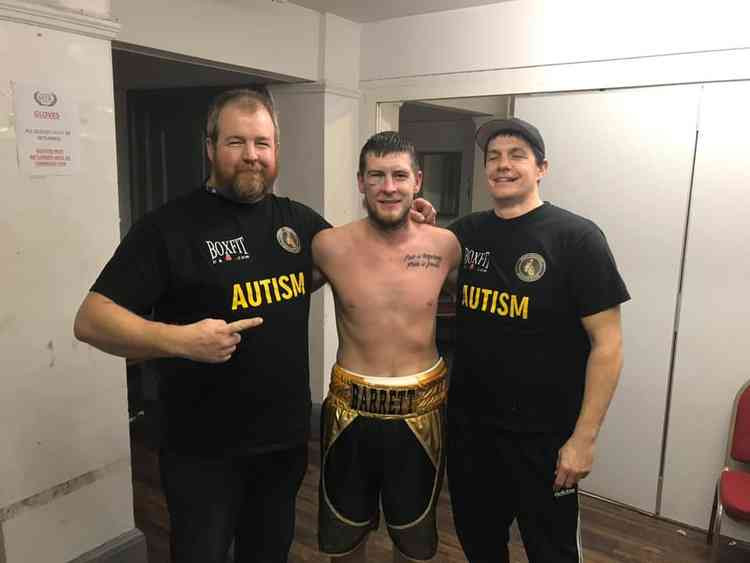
(227, 250)
(475, 260)
(46, 99)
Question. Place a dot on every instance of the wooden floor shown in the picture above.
(610, 533)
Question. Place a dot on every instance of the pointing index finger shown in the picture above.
(243, 324)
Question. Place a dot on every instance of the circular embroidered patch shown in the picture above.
(530, 267)
(288, 240)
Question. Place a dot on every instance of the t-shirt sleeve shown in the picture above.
(317, 223)
(312, 221)
(138, 273)
(596, 284)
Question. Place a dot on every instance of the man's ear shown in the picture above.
(543, 169)
(418, 181)
(360, 183)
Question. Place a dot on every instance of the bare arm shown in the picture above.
(321, 246)
(602, 373)
(318, 279)
(114, 329)
(450, 285)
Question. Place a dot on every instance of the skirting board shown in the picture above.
(130, 547)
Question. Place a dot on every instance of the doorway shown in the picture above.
(161, 101)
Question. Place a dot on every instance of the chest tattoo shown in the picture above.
(422, 261)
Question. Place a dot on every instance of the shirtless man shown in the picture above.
(382, 423)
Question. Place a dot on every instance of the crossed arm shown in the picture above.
(576, 456)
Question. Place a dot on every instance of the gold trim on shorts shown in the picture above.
(412, 398)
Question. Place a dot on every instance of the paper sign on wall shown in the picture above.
(47, 130)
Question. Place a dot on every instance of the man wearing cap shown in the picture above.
(538, 356)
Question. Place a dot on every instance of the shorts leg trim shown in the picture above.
(428, 429)
(355, 548)
(340, 516)
(337, 420)
(424, 514)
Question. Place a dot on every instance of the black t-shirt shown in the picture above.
(523, 286)
(203, 256)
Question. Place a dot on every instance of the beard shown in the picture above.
(386, 223)
(247, 185)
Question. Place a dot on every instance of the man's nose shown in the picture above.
(389, 183)
(248, 152)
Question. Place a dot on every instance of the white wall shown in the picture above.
(342, 112)
(301, 177)
(626, 164)
(278, 38)
(92, 7)
(65, 474)
(319, 136)
(711, 360)
(318, 132)
(340, 40)
(342, 198)
(525, 33)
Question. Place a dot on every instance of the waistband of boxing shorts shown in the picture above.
(390, 397)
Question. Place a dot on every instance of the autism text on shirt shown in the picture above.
(270, 290)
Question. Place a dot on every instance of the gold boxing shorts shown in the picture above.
(382, 440)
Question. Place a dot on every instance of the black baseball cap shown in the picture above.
(513, 126)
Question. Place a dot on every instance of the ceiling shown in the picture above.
(364, 11)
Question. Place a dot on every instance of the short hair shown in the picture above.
(538, 155)
(385, 143)
(251, 100)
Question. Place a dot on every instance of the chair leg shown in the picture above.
(709, 534)
(716, 547)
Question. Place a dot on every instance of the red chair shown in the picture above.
(733, 486)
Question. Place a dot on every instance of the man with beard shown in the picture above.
(382, 422)
(236, 409)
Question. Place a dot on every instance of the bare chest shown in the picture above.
(404, 281)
